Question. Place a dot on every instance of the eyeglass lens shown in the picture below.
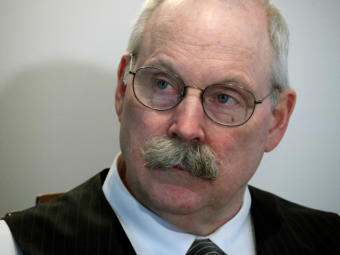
(226, 104)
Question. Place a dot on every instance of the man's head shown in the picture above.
(200, 43)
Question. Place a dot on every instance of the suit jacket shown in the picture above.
(82, 222)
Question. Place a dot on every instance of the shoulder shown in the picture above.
(263, 200)
(66, 206)
(68, 222)
(278, 220)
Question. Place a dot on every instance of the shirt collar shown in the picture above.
(149, 234)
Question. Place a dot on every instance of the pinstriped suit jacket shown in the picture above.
(82, 222)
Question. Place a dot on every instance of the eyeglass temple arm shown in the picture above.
(131, 63)
(261, 100)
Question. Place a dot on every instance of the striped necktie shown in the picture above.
(204, 247)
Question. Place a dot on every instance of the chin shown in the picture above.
(173, 199)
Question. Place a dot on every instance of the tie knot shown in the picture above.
(204, 247)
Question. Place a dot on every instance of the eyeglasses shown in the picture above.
(225, 104)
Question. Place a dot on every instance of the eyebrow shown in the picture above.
(164, 65)
(231, 76)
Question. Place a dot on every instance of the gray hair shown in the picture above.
(278, 32)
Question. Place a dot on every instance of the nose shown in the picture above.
(188, 118)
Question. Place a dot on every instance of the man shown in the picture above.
(202, 93)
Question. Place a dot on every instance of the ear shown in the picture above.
(121, 86)
(280, 118)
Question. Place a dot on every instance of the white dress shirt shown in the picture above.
(149, 234)
(7, 243)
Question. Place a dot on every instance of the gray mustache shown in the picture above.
(164, 153)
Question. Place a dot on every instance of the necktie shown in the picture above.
(204, 247)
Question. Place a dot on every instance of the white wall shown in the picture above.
(58, 64)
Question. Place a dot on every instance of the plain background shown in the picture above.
(58, 61)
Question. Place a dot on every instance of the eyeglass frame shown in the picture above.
(182, 95)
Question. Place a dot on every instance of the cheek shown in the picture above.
(139, 124)
(241, 151)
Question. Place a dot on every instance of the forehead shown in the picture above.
(212, 22)
(210, 30)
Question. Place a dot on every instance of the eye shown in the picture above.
(225, 99)
(162, 85)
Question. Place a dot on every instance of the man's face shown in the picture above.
(203, 42)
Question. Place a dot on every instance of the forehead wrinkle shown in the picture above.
(203, 51)
(205, 17)
(206, 29)
(183, 30)
(198, 78)
(195, 52)
(228, 70)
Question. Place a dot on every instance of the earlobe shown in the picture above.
(280, 118)
(121, 86)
